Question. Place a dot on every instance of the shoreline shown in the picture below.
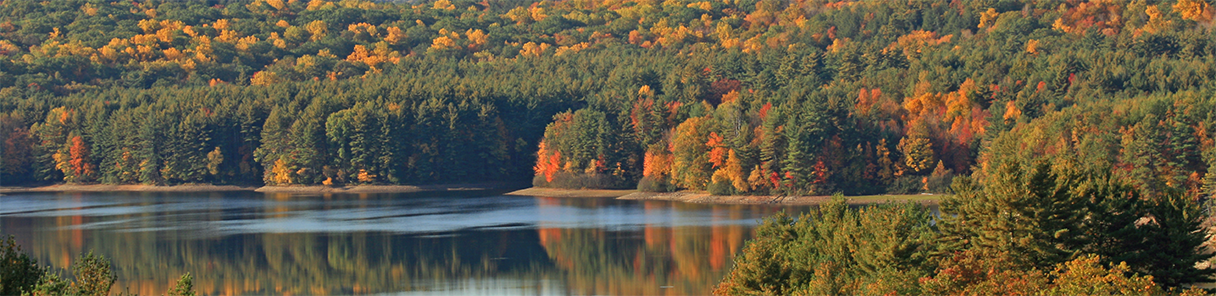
(572, 193)
(706, 198)
(621, 194)
(262, 189)
(126, 188)
(385, 188)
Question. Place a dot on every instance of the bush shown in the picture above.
(539, 181)
(721, 188)
(648, 184)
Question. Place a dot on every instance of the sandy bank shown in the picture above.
(571, 193)
(706, 198)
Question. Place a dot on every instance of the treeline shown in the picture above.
(430, 121)
(872, 97)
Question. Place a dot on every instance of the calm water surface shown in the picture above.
(473, 243)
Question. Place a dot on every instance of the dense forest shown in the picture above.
(734, 97)
(1079, 137)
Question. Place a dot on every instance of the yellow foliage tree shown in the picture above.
(277, 4)
(537, 13)
(214, 159)
(690, 165)
(443, 42)
(520, 15)
(1195, 10)
(443, 5)
(732, 172)
(316, 29)
(265, 78)
(988, 17)
(279, 174)
(533, 50)
(1011, 111)
(1032, 46)
(394, 36)
(918, 152)
(476, 37)
(363, 27)
(244, 43)
(320, 4)
(227, 36)
(1156, 21)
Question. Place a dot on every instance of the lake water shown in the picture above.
(470, 243)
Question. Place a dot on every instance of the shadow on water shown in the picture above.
(448, 243)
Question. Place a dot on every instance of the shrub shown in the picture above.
(648, 184)
(721, 188)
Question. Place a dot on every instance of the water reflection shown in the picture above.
(410, 244)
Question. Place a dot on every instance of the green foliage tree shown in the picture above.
(18, 272)
(93, 275)
(183, 287)
(836, 250)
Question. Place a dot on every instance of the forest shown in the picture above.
(734, 96)
(1077, 137)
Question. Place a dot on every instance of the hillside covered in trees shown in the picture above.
(730, 96)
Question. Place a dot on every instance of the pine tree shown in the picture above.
(1024, 212)
(1173, 237)
(1209, 182)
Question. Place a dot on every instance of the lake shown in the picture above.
(448, 243)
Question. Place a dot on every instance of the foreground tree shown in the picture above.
(1035, 212)
(836, 250)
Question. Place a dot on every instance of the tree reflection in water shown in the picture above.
(601, 246)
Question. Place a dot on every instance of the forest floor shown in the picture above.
(706, 198)
(266, 189)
